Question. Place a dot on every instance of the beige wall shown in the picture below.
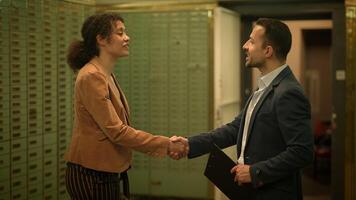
(226, 73)
(350, 2)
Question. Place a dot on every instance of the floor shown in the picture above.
(316, 188)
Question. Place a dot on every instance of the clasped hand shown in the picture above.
(178, 147)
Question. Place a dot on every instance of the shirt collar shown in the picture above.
(267, 79)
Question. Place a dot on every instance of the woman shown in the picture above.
(100, 151)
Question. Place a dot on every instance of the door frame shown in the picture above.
(287, 11)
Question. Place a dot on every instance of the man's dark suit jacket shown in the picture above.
(279, 141)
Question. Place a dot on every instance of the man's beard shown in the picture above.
(252, 64)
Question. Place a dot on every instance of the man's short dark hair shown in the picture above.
(277, 35)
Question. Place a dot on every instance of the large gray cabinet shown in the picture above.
(167, 80)
(36, 88)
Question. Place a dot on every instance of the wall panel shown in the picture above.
(350, 145)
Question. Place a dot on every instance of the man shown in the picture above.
(273, 131)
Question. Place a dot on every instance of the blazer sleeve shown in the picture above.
(223, 137)
(293, 118)
(94, 94)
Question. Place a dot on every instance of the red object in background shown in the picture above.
(321, 128)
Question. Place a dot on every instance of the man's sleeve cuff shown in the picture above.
(255, 174)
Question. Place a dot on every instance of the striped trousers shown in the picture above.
(87, 184)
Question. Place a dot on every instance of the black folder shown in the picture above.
(217, 170)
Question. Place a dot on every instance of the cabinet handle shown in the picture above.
(157, 183)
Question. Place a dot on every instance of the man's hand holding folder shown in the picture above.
(220, 170)
(242, 173)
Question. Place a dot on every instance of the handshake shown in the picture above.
(178, 147)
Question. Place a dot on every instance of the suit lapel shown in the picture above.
(122, 99)
(268, 90)
(242, 124)
(257, 107)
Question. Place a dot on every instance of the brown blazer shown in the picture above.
(102, 138)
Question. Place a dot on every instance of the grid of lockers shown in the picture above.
(36, 95)
(166, 80)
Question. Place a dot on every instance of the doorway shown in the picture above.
(316, 81)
